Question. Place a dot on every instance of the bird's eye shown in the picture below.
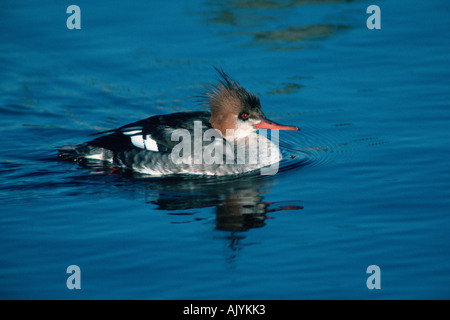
(244, 116)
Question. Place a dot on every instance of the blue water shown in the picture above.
(368, 182)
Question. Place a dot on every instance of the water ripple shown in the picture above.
(316, 146)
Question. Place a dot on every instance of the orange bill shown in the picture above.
(267, 124)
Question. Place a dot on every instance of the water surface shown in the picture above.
(366, 181)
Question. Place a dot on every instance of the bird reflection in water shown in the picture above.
(238, 201)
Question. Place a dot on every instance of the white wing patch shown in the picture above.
(138, 140)
(130, 133)
(148, 143)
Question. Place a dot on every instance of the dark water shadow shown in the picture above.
(265, 22)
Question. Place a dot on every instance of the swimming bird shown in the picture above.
(227, 139)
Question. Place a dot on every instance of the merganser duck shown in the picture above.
(222, 141)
